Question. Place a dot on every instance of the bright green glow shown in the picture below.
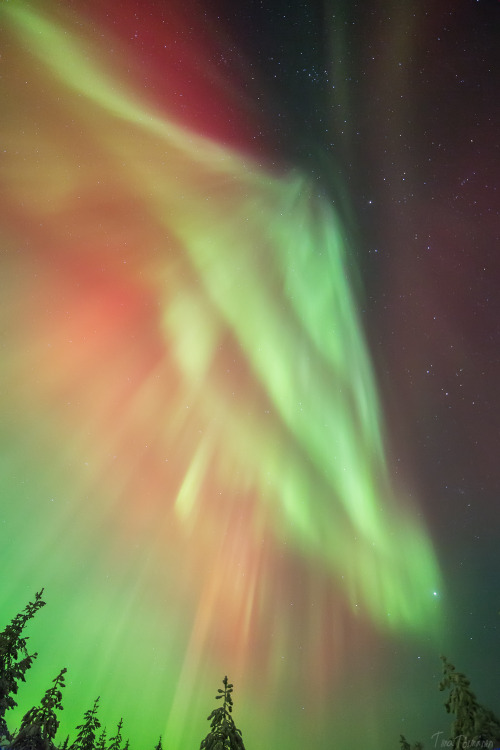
(190, 416)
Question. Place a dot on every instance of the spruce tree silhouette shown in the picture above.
(86, 737)
(39, 725)
(101, 743)
(474, 725)
(223, 735)
(115, 743)
(12, 667)
(405, 745)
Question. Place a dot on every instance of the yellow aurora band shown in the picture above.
(192, 440)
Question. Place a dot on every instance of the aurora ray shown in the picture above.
(189, 408)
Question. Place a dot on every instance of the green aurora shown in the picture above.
(190, 421)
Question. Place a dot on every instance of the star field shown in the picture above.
(250, 361)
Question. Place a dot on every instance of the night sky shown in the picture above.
(250, 355)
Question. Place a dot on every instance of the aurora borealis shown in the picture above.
(196, 462)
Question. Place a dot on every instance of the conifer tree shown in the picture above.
(473, 723)
(116, 741)
(39, 725)
(159, 746)
(86, 737)
(405, 745)
(223, 735)
(101, 742)
(12, 667)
